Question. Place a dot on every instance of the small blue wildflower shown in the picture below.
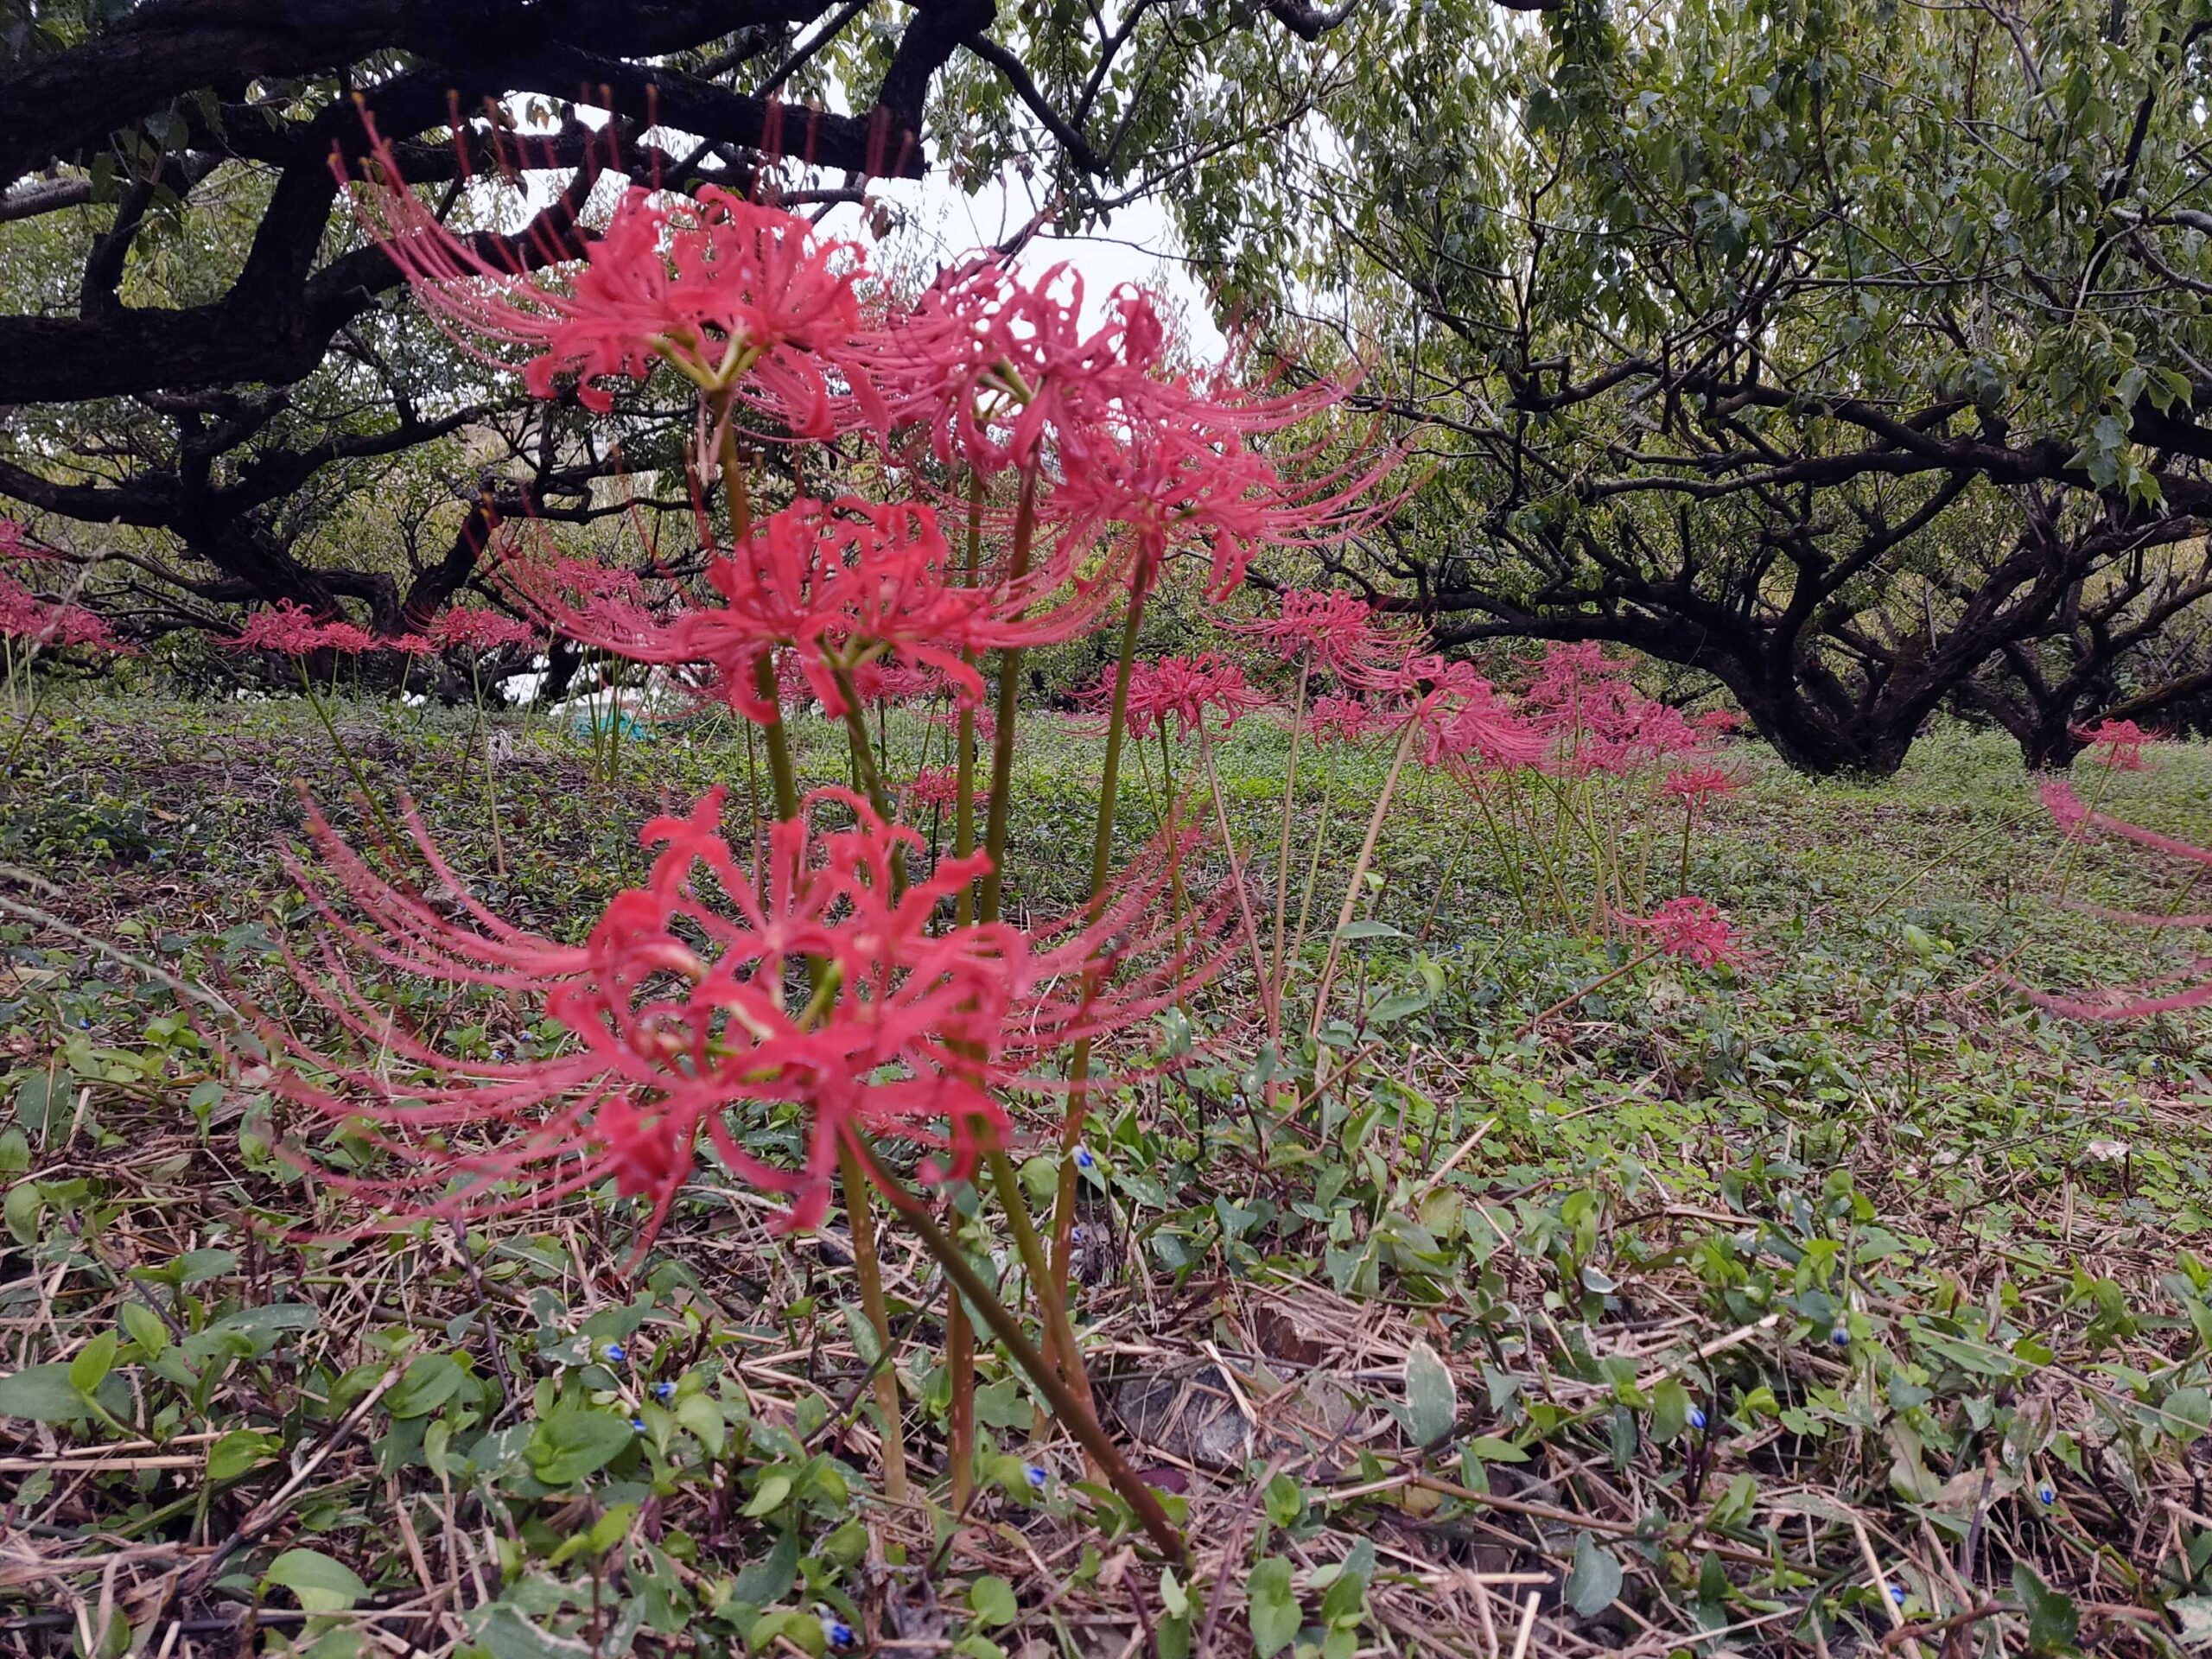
(1897, 1594)
(1696, 1419)
(1083, 1159)
(836, 1631)
(664, 1391)
(1035, 1475)
(638, 1423)
(2046, 1494)
(614, 1353)
(1840, 1337)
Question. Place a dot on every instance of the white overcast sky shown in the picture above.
(1139, 246)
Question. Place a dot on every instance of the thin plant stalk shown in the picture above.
(959, 1331)
(490, 788)
(1359, 878)
(867, 1267)
(1073, 1412)
(1260, 965)
(1102, 856)
(1312, 878)
(1595, 985)
(1289, 801)
(1009, 710)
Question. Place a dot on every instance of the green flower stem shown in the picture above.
(869, 1268)
(1074, 1414)
(353, 767)
(959, 1331)
(1102, 856)
(1009, 708)
(1352, 887)
(1289, 803)
(1052, 1306)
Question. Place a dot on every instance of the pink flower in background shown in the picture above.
(1336, 631)
(1181, 690)
(410, 644)
(24, 615)
(283, 626)
(1698, 787)
(472, 630)
(1345, 720)
(2117, 743)
(1717, 723)
(933, 786)
(1691, 929)
(1460, 717)
(347, 637)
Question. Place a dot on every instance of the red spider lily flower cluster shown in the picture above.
(735, 295)
(1345, 720)
(1460, 717)
(2116, 743)
(715, 997)
(932, 786)
(1698, 787)
(479, 631)
(1598, 720)
(1181, 690)
(1690, 929)
(845, 583)
(1335, 633)
(295, 631)
(2078, 822)
(25, 616)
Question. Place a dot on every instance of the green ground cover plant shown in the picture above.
(1837, 1298)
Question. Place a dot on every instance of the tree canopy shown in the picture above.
(1841, 349)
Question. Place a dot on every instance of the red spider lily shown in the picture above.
(1698, 787)
(988, 367)
(986, 719)
(292, 629)
(1691, 929)
(410, 644)
(1346, 720)
(688, 1015)
(894, 683)
(1605, 724)
(1181, 482)
(2117, 743)
(740, 298)
(347, 637)
(933, 786)
(1717, 723)
(1460, 717)
(470, 630)
(24, 615)
(2076, 822)
(847, 582)
(1333, 631)
(1181, 690)
(16, 543)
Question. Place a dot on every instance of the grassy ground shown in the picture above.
(1842, 1304)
